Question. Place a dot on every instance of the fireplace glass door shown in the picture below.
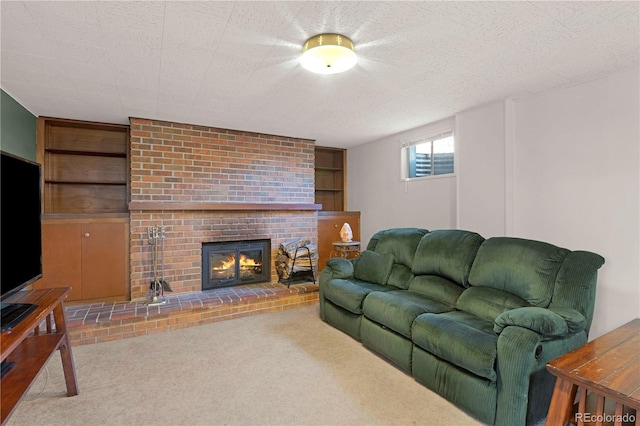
(235, 262)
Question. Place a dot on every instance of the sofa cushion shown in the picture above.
(401, 243)
(400, 277)
(373, 267)
(488, 303)
(349, 294)
(436, 288)
(460, 338)
(524, 268)
(398, 309)
(447, 253)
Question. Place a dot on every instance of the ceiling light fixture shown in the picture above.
(328, 54)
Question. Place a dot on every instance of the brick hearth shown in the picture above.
(102, 322)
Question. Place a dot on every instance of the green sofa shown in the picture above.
(474, 320)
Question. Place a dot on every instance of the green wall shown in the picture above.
(17, 128)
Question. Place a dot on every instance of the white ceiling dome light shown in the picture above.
(328, 54)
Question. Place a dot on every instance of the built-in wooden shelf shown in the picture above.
(331, 169)
(85, 221)
(330, 178)
(84, 166)
(173, 206)
(71, 182)
(85, 218)
(86, 153)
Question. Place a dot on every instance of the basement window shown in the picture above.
(430, 156)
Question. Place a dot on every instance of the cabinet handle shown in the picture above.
(335, 226)
(86, 235)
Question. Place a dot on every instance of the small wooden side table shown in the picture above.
(30, 348)
(607, 368)
(345, 250)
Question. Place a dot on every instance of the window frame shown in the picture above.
(404, 156)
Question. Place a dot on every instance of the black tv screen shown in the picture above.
(20, 230)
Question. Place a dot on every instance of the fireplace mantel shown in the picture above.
(176, 206)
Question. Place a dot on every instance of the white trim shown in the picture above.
(456, 165)
(446, 175)
(430, 138)
(509, 156)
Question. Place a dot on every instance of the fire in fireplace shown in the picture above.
(235, 262)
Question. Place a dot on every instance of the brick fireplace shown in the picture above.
(205, 184)
(230, 263)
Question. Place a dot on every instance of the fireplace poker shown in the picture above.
(158, 284)
(165, 285)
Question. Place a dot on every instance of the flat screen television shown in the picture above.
(20, 232)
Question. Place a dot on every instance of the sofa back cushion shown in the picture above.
(401, 243)
(447, 253)
(373, 267)
(524, 268)
(436, 288)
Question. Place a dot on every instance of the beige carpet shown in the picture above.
(284, 368)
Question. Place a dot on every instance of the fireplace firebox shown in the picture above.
(230, 263)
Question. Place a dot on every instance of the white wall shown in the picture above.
(576, 182)
(385, 201)
(561, 166)
(480, 137)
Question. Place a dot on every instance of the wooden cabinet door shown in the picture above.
(104, 260)
(90, 257)
(329, 225)
(62, 258)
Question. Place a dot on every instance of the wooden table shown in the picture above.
(30, 347)
(345, 249)
(606, 370)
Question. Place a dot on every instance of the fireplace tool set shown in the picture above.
(155, 235)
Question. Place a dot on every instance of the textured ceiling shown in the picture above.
(235, 64)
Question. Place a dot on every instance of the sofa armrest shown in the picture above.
(340, 267)
(546, 322)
